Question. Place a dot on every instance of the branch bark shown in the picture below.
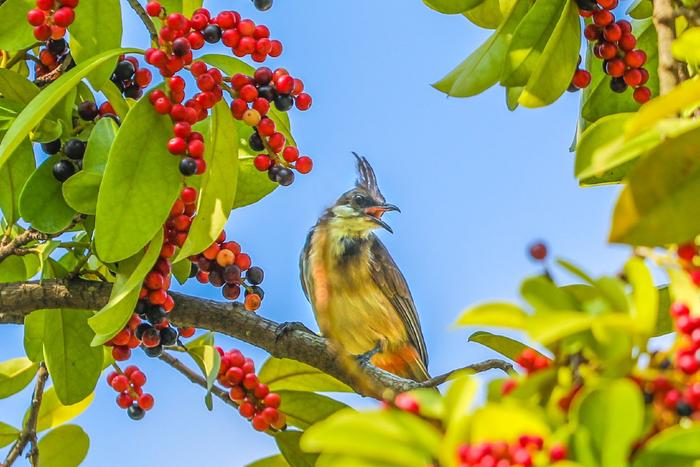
(145, 19)
(664, 22)
(28, 435)
(19, 299)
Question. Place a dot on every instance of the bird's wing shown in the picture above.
(304, 266)
(388, 277)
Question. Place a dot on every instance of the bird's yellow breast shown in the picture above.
(349, 306)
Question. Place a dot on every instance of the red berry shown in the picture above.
(582, 78)
(277, 141)
(303, 101)
(196, 40)
(143, 77)
(124, 400)
(153, 9)
(42, 32)
(687, 251)
(679, 309)
(121, 353)
(407, 403)
(36, 17)
(266, 127)
(195, 149)
(276, 49)
(177, 146)
(270, 415)
(290, 154)
(158, 297)
(250, 380)
(304, 165)
(176, 21)
(538, 251)
(122, 338)
(603, 17)
(642, 94)
(120, 383)
(154, 280)
(608, 4)
(187, 332)
(225, 20)
(188, 195)
(695, 275)
(45, 5)
(146, 401)
(615, 67)
(248, 93)
(272, 400)
(591, 32)
(284, 84)
(633, 77)
(259, 423)
(246, 409)
(262, 162)
(625, 25)
(137, 378)
(246, 27)
(63, 17)
(687, 365)
(627, 42)
(243, 261)
(606, 50)
(635, 58)
(612, 32)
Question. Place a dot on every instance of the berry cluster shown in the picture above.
(73, 150)
(532, 361)
(131, 397)
(50, 18)
(129, 78)
(51, 55)
(525, 452)
(222, 265)
(254, 399)
(688, 349)
(615, 44)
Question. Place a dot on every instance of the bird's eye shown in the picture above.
(360, 200)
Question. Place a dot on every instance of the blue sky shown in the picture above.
(475, 183)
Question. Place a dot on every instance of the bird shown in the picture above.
(358, 294)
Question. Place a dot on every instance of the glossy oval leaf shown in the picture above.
(271, 461)
(677, 446)
(15, 375)
(506, 346)
(19, 268)
(65, 446)
(139, 186)
(13, 175)
(53, 413)
(15, 87)
(125, 292)
(74, 365)
(288, 444)
(304, 408)
(8, 434)
(34, 335)
(218, 184)
(451, 7)
(644, 296)
(41, 105)
(498, 314)
(80, 191)
(555, 67)
(529, 40)
(41, 202)
(96, 29)
(685, 47)
(487, 422)
(483, 67)
(17, 33)
(489, 14)
(284, 373)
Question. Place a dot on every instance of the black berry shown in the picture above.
(285, 177)
(51, 148)
(257, 291)
(262, 5)
(153, 351)
(168, 336)
(212, 34)
(684, 409)
(141, 329)
(74, 149)
(135, 412)
(255, 275)
(63, 170)
(124, 71)
(618, 84)
(193, 270)
(267, 92)
(216, 278)
(88, 110)
(134, 91)
(155, 314)
(188, 166)
(57, 47)
(232, 274)
(284, 102)
(255, 142)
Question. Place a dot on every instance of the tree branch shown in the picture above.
(145, 19)
(19, 299)
(480, 367)
(15, 245)
(28, 435)
(664, 23)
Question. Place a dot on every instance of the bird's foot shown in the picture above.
(365, 358)
(285, 328)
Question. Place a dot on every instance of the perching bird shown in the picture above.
(358, 294)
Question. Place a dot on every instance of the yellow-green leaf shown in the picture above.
(493, 314)
(15, 375)
(52, 413)
(65, 446)
(284, 373)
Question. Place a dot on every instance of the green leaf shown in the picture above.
(272, 461)
(304, 408)
(140, 184)
(550, 327)
(552, 74)
(52, 413)
(509, 348)
(614, 416)
(644, 296)
(218, 183)
(598, 99)
(81, 190)
(490, 13)
(664, 322)
(18, 268)
(684, 96)
(488, 422)
(34, 324)
(74, 365)
(529, 40)
(543, 294)
(483, 67)
(96, 29)
(18, 33)
(640, 9)
(252, 185)
(15, 375)
(186, 7)
(125, 292)
(207, 359)
(686, 46)
(391, 436)
(181, 270)
(41, 105)
(284, 373)
(678, 446)
(16, 87)
(682, 289)
(658, 205)
(41, 202)
(65, 446)
(288, 444)
(451, 7)
(493, 314)
(8, 434)
(13, 175)
(459, 399)
(114, 96)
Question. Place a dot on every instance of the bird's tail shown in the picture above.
(404, 361)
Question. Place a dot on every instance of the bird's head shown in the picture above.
(359, 211)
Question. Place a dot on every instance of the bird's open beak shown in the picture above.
(375, 214)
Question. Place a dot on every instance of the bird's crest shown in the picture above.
(366, 178)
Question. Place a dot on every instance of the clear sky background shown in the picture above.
(475, 182)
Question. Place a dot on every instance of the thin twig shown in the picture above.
(145, 19)
(21, 55)
(196, 378)
(28, 435)
(664, 22)
(480, 367)
(14, 246)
